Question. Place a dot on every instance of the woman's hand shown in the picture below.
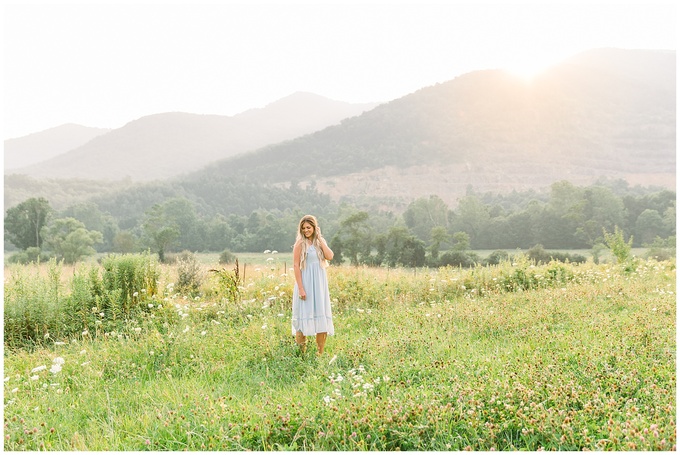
(302, 294)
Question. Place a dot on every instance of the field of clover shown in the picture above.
(119, 356)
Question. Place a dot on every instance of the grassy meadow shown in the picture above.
(509, 357)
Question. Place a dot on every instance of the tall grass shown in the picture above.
(510, 357)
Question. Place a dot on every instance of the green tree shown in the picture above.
(438, 235)
(461, 241)
(94, 220)
(600, 209)
(617, 244)
(471, 216)
(404, 248)
(648, 226)
(70, 240)
(354, 238)
(424, 214)
(124, 242)
(24, 223)
(160, 232)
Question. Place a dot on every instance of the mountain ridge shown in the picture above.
(163, 145)
(43, 145)
(587, 118)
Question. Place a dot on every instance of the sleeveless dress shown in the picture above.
(312, 315)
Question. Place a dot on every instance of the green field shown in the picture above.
(511, 357)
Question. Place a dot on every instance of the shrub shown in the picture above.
(497, 257)
(539, 255)
(189, 273)
(32, 310)
(30, 254)
(127, 281)
(458, 259)
(660, 249)
(227, 257)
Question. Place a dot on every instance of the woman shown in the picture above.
(311, 300)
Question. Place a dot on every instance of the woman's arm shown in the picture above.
(296, 268)
(327, 252)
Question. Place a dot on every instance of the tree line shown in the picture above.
(428, 232)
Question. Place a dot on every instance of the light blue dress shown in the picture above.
(313, 315)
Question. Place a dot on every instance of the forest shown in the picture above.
(247, 217)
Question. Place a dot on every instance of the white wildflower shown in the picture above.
(37, 369)
(138, 330)
(35, 377)
(186, 329)
(59, 361)
(56, 368)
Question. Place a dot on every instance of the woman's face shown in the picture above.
(307, 230)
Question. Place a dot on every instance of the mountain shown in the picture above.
(164, 145)
(37, 147)
(603, 113)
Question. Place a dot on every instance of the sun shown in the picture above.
(527, 67)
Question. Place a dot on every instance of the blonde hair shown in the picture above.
(316, 241)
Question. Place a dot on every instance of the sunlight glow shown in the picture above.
(527, 68)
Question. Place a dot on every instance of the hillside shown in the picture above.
(43, 145)
(602, 113)
(164, 145)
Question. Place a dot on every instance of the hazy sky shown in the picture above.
(106, 64)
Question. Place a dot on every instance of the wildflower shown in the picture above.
(267, 251)
(47, 335)
(59, 343)
(186, 329)
(327, 399)
(264, 327)
(203, 333)
(101, 315)
(135, 294)
(56, 368)
(35, 377)
(151, 305)
(274, 252)
(15, 390)
(333, 359)
(85, 332)
(36, 369)
(59, 361)
(138, 330)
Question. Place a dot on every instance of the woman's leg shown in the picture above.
(301, 341)
(321, 341)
